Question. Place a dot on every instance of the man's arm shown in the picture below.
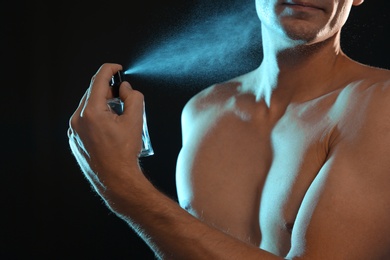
(345, 212)
(106, 146)
(172, 233)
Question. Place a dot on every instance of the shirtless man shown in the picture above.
(289, 161)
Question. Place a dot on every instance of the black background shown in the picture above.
(49, 53)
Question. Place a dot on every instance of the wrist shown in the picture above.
(127, 190)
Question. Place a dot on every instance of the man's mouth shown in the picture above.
(302, 4)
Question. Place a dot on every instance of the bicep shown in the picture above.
(345, 212)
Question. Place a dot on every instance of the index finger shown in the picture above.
(100, 85)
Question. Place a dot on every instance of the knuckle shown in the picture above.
(86, 113)
(72, 124)
(137, 95)
(69, 132)
(93, 78)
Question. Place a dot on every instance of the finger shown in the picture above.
(77, 113)
(83, 102)
(100, 87)
(133, 112)
(133, 101)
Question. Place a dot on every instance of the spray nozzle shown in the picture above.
(115, 82)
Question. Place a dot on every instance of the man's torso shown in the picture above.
(256, 173)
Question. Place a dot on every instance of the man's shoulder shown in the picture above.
(211, 97)
(365, 102)
(374, 87)
(368, 84)
(374, 76)
(203, 108)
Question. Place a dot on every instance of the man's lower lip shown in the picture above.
(301, 7)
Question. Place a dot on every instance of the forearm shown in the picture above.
(172, 233)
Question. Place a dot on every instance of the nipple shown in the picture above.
(289, 227)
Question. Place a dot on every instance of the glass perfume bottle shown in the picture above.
(116, 105)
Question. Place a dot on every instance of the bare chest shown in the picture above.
(258, 172)
(299, 149)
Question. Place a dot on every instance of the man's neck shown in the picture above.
(298, 72)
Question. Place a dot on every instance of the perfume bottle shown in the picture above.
(116, 106)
